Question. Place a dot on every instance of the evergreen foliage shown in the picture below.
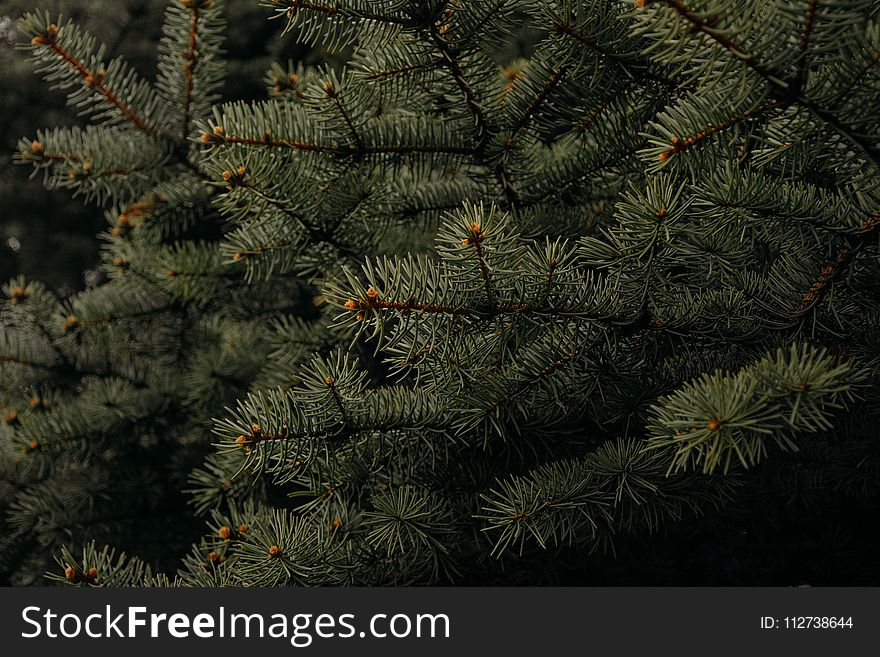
(507, 292)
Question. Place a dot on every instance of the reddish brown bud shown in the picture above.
(18, 294)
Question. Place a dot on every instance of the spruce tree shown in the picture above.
(505, 291)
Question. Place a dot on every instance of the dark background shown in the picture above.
(47, 235)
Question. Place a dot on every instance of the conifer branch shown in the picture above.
(478, 235)
(39, 156)
(373, 302)
(337, 400)
(399, 70)
(536, 376)
(788, 88)
(93, 79)
(449, 61)
(407, 149)
(314, 233)
(841, 259)
(866, 69)
(510, 193)
(706, 26)
(820, 285)
(358, 142)
(237, 182)
(189, 65)
(807, 33)
(343, 151)
(268, 141)
(74, 322)
(116, 171)
(539, 99)
(584, 124)
(259, 250)
(860, 141)
(639, 74)
(681, 144)
(8, 358)
(335, 10)
(617, 158)
(486, 19)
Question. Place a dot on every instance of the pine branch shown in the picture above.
(866, 69)
(73, 322)
(267, 141)
(398, 70)
(707, 27)
(841, 259)
(333, 9)
(537, 376)
(821, 284)
(478, 235)
(337, 400)
(343, 151)
(238, 181)
(722, 420)
(639, 74)
(91, 79)
(189, 64)
(683, 143)
(358, 142)
(807, 33)
(789, 89)
(373, 302)
(539, 99)
(7, 358)
(449, 61)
